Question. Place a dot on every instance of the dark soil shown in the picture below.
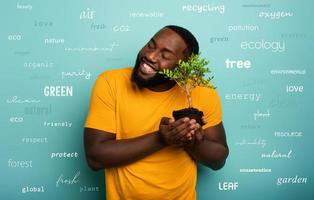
(191, 113)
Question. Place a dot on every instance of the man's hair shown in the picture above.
(188, 37)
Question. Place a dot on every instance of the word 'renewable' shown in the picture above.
(151, 14)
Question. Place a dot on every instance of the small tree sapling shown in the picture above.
(188, 75)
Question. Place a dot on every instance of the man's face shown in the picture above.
(163, 51)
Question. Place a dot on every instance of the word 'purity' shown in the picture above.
(264, 45)
(82, 73)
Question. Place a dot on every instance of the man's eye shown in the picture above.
(166, 56)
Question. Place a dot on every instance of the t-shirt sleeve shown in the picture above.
(211, 108)
(101, 114)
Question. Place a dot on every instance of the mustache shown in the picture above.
(148, 62)
(153, 81)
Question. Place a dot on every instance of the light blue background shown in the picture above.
(289, 111)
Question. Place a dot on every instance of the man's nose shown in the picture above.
(152, 56)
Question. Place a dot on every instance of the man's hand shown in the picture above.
(197, 137)
(177, 132)
(209, 146)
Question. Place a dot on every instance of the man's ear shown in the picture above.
(186, 54)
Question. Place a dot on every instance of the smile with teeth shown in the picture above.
(147, 69)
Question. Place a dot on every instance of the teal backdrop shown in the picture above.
(260, 52)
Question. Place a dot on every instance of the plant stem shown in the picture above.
(188, 94)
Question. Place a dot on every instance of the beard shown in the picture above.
(155, 80)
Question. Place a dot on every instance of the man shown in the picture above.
(129, 131)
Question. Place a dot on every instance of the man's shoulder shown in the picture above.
(113, 74)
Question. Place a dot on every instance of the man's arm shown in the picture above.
(210, 147)
(104, 151)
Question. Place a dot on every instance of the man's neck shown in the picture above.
(162, 87)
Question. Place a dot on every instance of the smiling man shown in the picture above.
(130, 133)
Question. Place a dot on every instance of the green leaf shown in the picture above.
(192, 71)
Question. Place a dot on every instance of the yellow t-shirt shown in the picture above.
(118, 106)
